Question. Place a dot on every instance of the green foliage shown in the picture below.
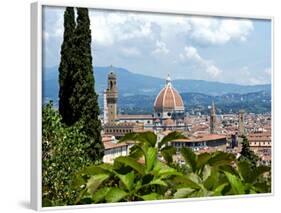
(66, 68)
(63, 155)
(219, 173)
(78, 99)
(205, 174)
(247, 154)
(144, 140)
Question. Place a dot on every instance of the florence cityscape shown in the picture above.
(143, 107)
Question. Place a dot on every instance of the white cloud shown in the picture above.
(161, 48)
(112, 27)
(219, 31)
(130, 51)
(191, 54)
(117, 36)
(109, 28)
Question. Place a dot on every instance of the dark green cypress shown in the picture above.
(66, 67)
(247, 153)
(84, 99)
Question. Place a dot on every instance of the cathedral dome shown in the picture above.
(168, 99)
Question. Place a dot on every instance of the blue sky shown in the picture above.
(187, 47)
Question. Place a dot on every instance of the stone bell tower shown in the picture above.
(213, 119)
(111, 97)
(241, 120)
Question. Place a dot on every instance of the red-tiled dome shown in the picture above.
(168, 98)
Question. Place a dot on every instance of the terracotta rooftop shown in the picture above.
(135, 117)
(110, 145)
(206, 137)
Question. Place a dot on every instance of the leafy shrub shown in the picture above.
(206, 174)
(63, 155)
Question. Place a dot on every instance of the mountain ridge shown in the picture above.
(146, 85)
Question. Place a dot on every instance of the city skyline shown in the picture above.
(182, 45)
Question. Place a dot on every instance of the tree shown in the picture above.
(84, 99)
(63, 155)
(78, 99)
(247, 153)
(66, 67)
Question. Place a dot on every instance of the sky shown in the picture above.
(229, 50)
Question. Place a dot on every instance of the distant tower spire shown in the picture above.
(111, 97)
(213, 118)
(241, 128)
(168, 80)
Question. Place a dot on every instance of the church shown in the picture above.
(168, 115)
(168, 111)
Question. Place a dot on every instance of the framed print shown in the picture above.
(137, 106)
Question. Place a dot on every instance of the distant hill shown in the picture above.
(131, 84)
(257, 102)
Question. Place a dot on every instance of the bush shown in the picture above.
(143, 176)
(63, 154)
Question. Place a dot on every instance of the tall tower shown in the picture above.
(213, 118)
(105, 110)
(111, 97)
(241, 128)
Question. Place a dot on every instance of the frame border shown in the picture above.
(36, 100)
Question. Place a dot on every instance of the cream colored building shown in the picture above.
(113, 149)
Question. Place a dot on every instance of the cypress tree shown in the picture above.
(66, 67)
(247, 153)
(84, 99)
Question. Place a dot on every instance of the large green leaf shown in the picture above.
(171, 136)
(168, 152)
(219, 189)
(115, 195)
(185, 182)
(127, 179)
(212, 179)
(95, 181)
(206, 172)
(249, 174)
(183, 192)
(189, 157)
(157, 182)
(143, 137)
(161, 170)
(244, 168)
(136, 152)
(221, 158)
(150, 158)
(150, 137)
(131, 162)
(152, 196)
(236, 184)
(133, 136)
(100, 194)
(94, 169)
(202, 159)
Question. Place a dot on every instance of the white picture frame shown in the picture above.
(36, 100)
